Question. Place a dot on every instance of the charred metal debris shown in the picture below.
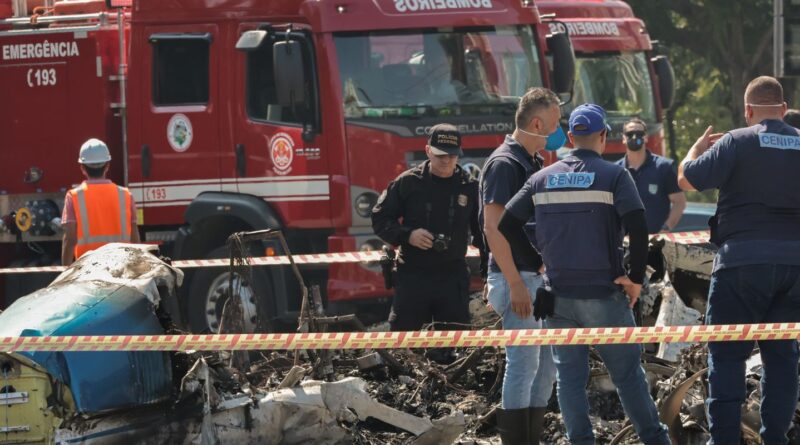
(326, 397)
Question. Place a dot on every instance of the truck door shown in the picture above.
(277, 149)
(180, 147)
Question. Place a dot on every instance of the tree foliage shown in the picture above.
(716, 47)
(732, 37)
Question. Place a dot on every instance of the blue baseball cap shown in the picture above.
(587, 119)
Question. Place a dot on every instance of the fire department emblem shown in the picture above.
(281, 150)
(179, 132)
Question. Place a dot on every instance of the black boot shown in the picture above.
(512, 424)
(535, 425)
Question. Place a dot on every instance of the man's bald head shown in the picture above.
(763, 99)
(764, 90)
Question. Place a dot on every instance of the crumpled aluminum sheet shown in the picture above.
(130, 265)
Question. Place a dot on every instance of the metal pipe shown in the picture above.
(123, 105)
(24, 20)
(777, 38)
(20, 8)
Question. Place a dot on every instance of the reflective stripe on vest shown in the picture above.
(574, 197)
(101, 227)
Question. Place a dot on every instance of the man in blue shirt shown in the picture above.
(655, 178)
(512, 279)
(756, 274)
(583, 206)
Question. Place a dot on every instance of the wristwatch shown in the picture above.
(666, 228)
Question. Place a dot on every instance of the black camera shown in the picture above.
(387, 263)
(441, 242)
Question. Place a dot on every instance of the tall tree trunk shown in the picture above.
(738, 82)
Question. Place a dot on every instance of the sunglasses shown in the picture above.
(635, 134)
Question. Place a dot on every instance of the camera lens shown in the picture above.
(440, 243)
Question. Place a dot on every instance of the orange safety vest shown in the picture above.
(102, 214)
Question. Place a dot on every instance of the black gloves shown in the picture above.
(545, 303)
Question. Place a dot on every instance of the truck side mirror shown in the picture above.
(290, 73)
(563, 62)
(666, 80)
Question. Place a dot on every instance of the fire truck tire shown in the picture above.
(207, 289)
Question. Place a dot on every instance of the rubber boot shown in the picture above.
(512, 424)
(535, 424)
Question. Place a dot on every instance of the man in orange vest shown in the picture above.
(97, 212)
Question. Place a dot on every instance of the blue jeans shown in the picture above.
(753, 294)
(530, 371)
(622, 361)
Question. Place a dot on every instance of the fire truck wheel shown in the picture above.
(208, 288)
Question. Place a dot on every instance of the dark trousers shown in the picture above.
(753, 294)
(422, 296)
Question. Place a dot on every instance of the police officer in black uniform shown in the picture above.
(431, 212)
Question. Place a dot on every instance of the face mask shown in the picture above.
(555, 140)
(635, 144)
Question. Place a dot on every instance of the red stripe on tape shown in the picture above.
(326, 258)
(394, 340)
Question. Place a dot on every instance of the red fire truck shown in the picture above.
(237, 115)
(616, 66)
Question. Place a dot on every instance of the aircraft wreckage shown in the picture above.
(293, 398)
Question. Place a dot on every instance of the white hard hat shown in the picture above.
(94, 152)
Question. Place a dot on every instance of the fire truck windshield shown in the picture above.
(619, 82)
(469, 72)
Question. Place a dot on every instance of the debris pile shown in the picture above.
(364, 397)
